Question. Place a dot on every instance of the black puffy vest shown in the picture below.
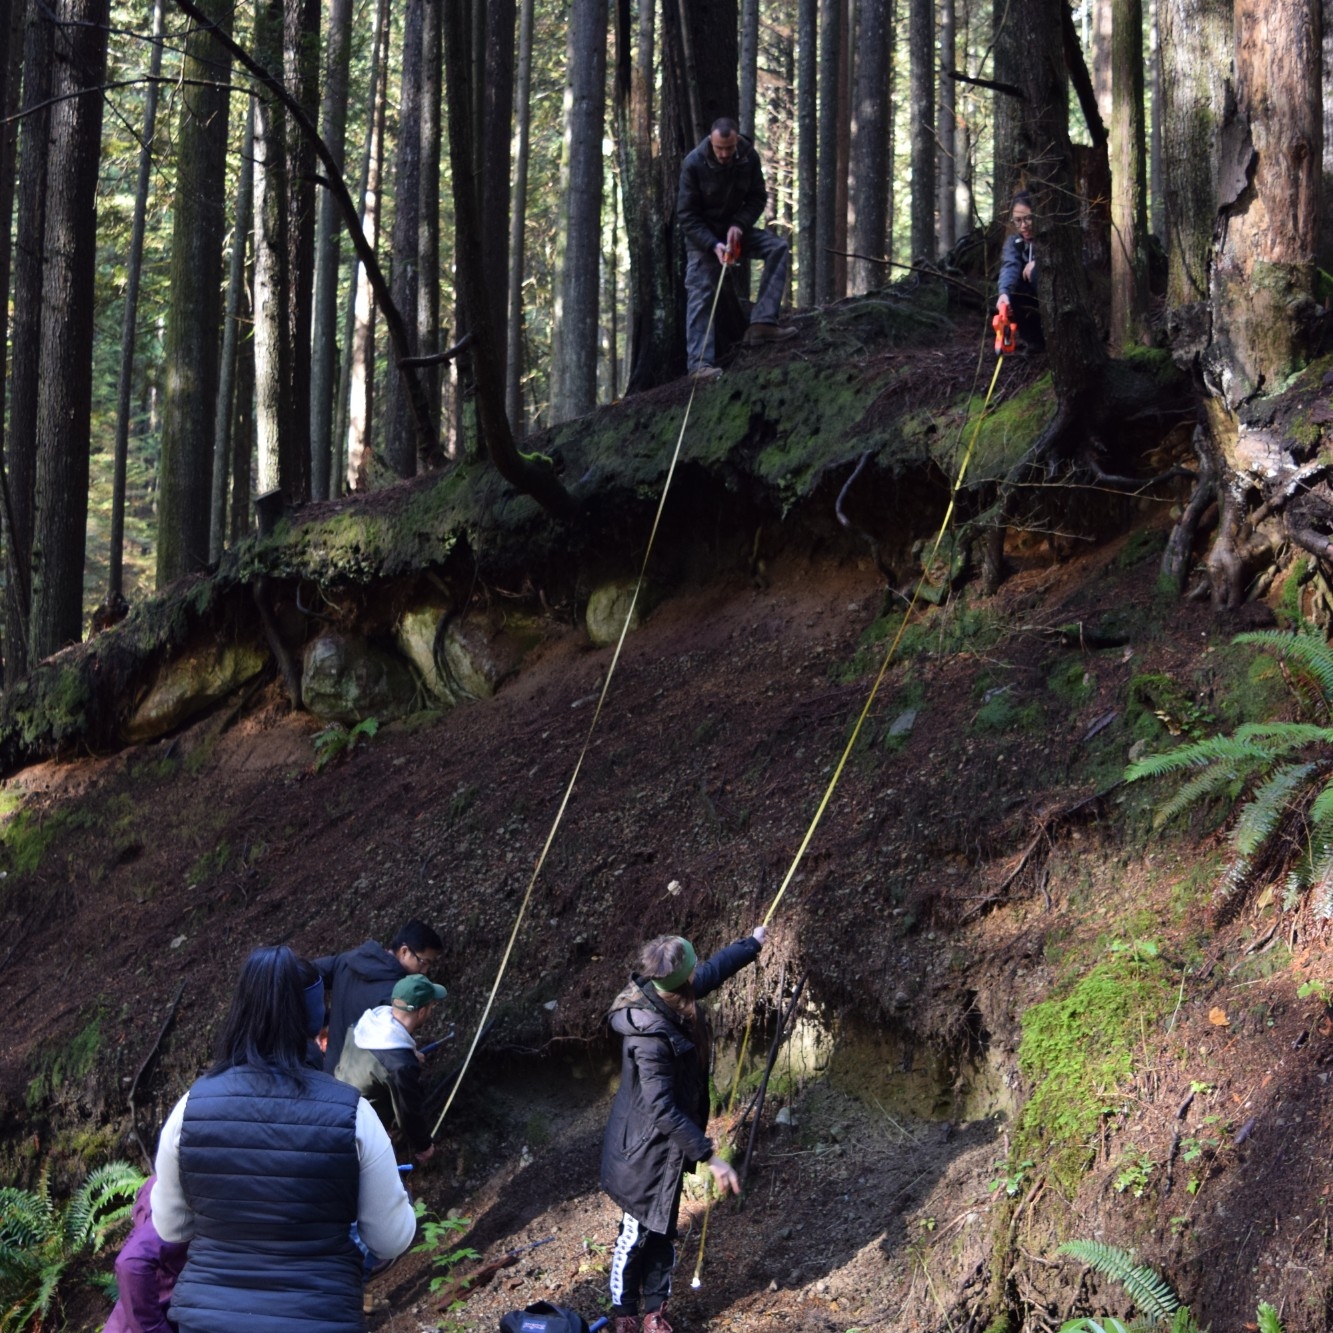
(269, 1167)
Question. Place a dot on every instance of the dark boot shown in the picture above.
(769, 333)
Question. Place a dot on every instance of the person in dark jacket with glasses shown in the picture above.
(1018, 276)
(265, 1164)
(656, 1130)
(363, 978)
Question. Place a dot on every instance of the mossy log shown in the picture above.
(767, 451)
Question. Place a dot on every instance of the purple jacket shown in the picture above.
(146, 1271)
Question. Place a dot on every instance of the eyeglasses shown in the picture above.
(426, 961)
(1026, 220)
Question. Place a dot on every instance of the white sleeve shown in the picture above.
(171, 1213)
(384, 1212)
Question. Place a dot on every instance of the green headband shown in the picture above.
(675, 980)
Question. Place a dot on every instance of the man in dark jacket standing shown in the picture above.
(656, 1130)
(364, 978)
(380, 1060)
(720, 201)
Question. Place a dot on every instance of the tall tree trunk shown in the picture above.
(574, 358)
(12, 28)
(1262, 318)
(1009, 59)
(199, 220)
(1198, 35)
(921, 55)
(243, 433)
(497, 124)
(518, 213)
(749, 68)
(428, 209)
(65, 366)
(300, 63)
(129, 327)
(826, 209)
(1101, 16)
(870, 133)
(651, 303)
(1271, 146)
(1156, 180)
(29, 267)
(1129, 180)
(844, 169)
(359, 394)
(328, 255)
(1076, 352)
(224, 416)
(399, 444)
(947, 175)
(274, 415)
(807, 151)
(534, 476)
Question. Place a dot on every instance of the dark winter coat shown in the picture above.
(1014, 257)
(360, 979)
(656, 1130)
(146, 1271)
(713, 198)
(272, 1175)
(380, 1061)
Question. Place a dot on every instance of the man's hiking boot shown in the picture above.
(704, 373)
(626, 1323)
(769, 333)
(656, 1323)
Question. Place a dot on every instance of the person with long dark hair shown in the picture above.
(265, 1164)
(656, 1130)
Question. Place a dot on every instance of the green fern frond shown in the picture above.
(1309, 650)
(1321, 809)
(1224, 749)
(26, 1219)
(1250, 746)
(1321, 889)
(1146, 1288)
(100, 1204)
(1279, 736)
(1268, 1320)
(1213, 779)
(1267, 806)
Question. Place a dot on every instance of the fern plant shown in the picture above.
(39, 1241)
(1148, 1290)
(336, 742)
(1144, 1286)
(1286, 825)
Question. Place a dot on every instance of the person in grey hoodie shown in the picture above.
(656, 1130)
(364, 977)
(381, 1061)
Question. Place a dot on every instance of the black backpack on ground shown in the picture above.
(543, 1317)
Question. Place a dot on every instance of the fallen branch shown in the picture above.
(143, 1069)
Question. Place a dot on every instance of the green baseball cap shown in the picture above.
(415, 992)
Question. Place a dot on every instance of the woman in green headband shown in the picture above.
(656, 1130)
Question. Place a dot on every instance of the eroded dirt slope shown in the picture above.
(975, 859)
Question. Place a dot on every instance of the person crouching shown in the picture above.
(656, 1130)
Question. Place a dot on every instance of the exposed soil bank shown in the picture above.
(976, 861)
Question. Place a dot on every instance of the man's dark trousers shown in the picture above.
(701, 274)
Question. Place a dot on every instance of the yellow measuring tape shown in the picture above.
(587, 740)
(842, 763)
